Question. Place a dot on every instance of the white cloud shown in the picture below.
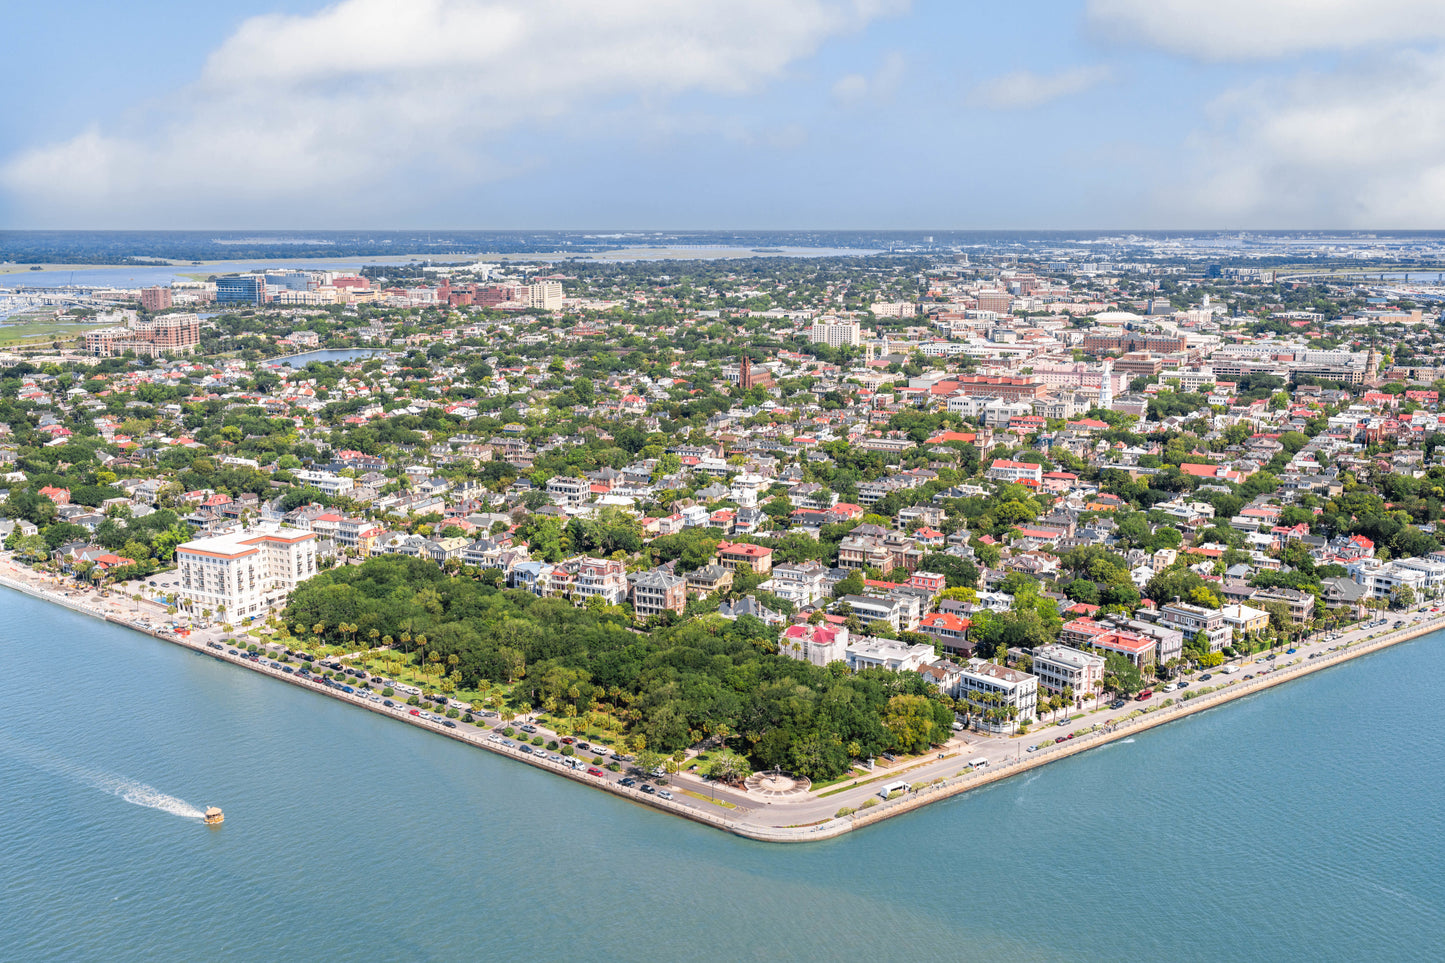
(1360, 148)
(1024, 89)
(324, 107)
(1268, 29)
(854, 89)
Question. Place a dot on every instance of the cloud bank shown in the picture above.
(324, 108)
(1220, 30)
(1362, 147)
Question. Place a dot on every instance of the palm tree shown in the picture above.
(318, 628)
(373, 635)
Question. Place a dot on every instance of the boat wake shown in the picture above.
(139, 794)
(132, 791)
(1125, 742)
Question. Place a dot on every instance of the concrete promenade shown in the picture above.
(761, 823)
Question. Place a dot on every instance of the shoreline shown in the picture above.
(823, 829)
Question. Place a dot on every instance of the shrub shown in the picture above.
(537, 740)
(869, 803)
(388, 691)
(509, 731)
(468, 718)
(568, 751)
(598, 760)
(552, 746)
(614, 767)
(413, 701)
(845, 811)
(454, 714)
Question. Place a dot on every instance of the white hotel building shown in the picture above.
(837, 334)
(244, 574)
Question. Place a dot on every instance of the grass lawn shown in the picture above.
(697, 795)
(23, 329)
(852, 785)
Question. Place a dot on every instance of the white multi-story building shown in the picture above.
(901, 612)
(328, 483)
(603, 577)
(1060, 666)
(837, 334)
(801, 583)
(870, 653)
(545, 296)
(991, 690)
(569, 492)
(1193, 619)
(818, 644)
(1015, 471)
(1420, 575)
(894, 309)
(244, 574)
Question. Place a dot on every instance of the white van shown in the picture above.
(978, 763)
(892, 788)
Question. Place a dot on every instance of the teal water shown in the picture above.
(1299, 824)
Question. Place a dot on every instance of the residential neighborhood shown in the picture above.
(1027, 486)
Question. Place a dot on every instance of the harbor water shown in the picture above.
(1302, 823)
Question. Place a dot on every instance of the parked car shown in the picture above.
(594, 771)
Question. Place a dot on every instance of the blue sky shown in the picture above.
(724, 114)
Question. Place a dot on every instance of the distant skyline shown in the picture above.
(831, 114)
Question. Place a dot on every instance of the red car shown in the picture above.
(568, 740)
(416, 712)
(594, 771)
